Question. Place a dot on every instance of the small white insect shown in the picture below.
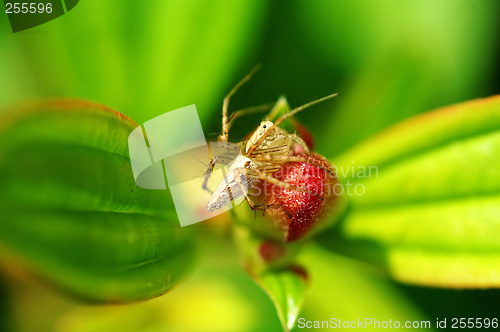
(234, 185)
(262, 154)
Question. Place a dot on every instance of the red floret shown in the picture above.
(297, 211)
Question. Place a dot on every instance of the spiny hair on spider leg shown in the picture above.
(206, 165)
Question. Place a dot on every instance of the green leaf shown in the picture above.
(349, 290)
(432, 215)
(386, 68)
(426, 132)
(271, 264)
(287, 289)
(71, 211)
(5, 303)
(141, 58)
(218, 296)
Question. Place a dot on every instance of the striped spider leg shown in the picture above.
(264, 153)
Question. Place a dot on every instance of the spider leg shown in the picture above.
(286, 116)
(225, 105)
(206, 176)
(246, 111)
(258, 174)
(277, 206)
(210, 170)
(280, 159)
(263, 207)
(237, 177)
(297, 139)
(301, 108)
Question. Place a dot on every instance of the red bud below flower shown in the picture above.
(271, 251)
(300, 271)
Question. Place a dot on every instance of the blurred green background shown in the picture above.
(389, 59)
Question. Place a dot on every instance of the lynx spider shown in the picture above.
(262, 154)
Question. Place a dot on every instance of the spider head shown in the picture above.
(263, 126)
(262, 129)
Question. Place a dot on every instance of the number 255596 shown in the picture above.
(25, 7)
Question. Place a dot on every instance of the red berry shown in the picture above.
(297, 211)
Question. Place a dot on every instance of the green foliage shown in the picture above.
(272, 265)
(347, 289)
(433, 210)
(398, 58)
(142, 58)
(72, 212)
(287, 289)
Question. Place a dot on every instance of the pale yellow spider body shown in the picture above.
(265, 152)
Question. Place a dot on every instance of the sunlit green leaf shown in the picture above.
(71, 211)
(432, 214)
(218, 296)
(272, 265)
(392, 60)
(348, 290)
(287, 289)
(141, 58)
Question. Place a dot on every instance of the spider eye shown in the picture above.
(264, 126)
